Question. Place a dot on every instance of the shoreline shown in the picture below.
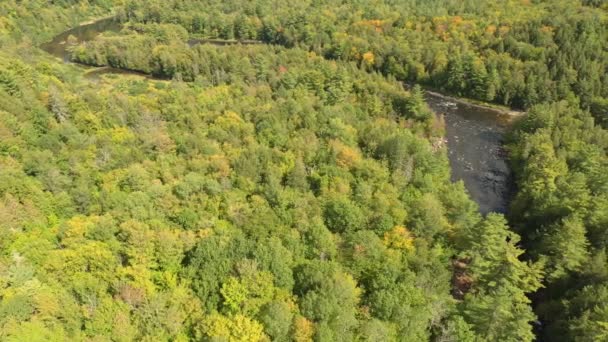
(490, 107)
(498, 109)
(94, 20)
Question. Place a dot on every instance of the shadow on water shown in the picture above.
(475, 150)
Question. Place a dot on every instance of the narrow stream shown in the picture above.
(474, 133)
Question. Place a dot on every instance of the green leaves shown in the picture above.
(341, 215)
(503, 314)
(497, 306)
(262, 192)
(248, 293)
(557, 210)
(329, 297)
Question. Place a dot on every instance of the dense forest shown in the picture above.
(294, 190)
(516, 52)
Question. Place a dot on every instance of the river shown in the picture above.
(475, 149)
(474, 133)
(58, 46)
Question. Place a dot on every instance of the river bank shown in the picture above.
(478, 104)
(475, 138)
(498, 109)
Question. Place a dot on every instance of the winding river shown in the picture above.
(474, 133)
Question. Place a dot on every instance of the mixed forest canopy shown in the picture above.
(293, 190)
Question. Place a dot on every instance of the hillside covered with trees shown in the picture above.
(293, 190)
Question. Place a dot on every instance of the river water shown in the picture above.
(58, 46)
(474, 134)
(475, 149)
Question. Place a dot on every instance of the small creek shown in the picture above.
(474, 133)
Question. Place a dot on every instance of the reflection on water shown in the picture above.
(475, 139)
(58, 46)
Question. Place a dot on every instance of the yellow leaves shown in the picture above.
(491, 29)
(287, 163)
(6, 25)
(369, 58)
(329, 14)
(248, 293)
(139, 282)
(547, 29)
(219, 165)
(303, 330)
(92, 258)
(234, 293)
(355, 53)
(213, 95)
(47, 304)
(88, 120)
(246, 329)
(121, 135)
(342, 36)
(345, 155)
(76, 228)
(229, 118)
(440, 62)
(231, 130)
(399, 238)
(233, 123)
(376, 24)
(348, 157)
(447, 28)
(238, 328)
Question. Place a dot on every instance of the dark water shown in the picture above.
(58, 46)
(475, 139)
